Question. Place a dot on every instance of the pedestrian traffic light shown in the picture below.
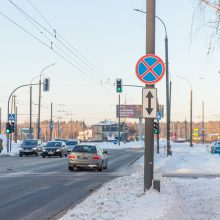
(118, 85)
(8, 128)
(46, 84)
(156, 128)
(12, 127)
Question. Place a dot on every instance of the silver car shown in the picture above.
(70, 144)
(88, 156)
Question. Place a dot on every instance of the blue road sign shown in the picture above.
(150, 69)
(11, 117)
(159, 115)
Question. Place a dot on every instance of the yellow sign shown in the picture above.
(196, 132)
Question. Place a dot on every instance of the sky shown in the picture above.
(94, 43)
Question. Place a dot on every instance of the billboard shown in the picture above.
(129, 111)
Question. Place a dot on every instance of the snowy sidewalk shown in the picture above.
(180, 198)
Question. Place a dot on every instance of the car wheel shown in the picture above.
(65, 155)
(101, 167)
(70, 168)
(61, 155)
(20, 155)
(36, 154)
(43, 156)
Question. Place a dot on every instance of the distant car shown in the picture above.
(213, 146)
(30, 147)
(60, 139)
(70, 144)
(54, 148)
(88, 156)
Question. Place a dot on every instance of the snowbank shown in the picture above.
(14, 147)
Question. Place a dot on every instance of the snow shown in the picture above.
(14, 147)
(184, 198)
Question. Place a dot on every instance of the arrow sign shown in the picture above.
(149, 103)
(149, 97)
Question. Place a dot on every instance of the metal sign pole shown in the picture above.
(149, 123)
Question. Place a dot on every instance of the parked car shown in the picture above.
(71, 144)
(30, 147)
(88, 156)
(213, 146)
(216, 149)
(54, 148)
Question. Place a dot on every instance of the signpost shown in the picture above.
(150, 69)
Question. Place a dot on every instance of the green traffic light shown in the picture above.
(7, 131)
(119, 89)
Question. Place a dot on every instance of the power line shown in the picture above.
(54, 35)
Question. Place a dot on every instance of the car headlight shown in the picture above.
(44, 150)
(34, 148)
(58, 150)
(20, 148)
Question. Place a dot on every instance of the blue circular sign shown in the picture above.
(150, 69)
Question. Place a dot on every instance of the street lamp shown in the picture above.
(190, 84)
(168, 93)
(39, 104)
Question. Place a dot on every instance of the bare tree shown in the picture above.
(211, 15)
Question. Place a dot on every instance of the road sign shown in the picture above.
(149, 103)
(159, 115)
(11, 117)
(150, 69)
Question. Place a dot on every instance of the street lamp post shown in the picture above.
(39, 104)
(191, 92)
(168, 94)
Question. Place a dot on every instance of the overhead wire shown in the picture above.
(57, 33)
(53, 44)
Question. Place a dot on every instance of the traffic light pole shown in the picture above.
(119, 117)
(9, 105)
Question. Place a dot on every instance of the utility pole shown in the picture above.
(158, 137)
(191, 118)
(203, 123)
(30, 125)
(124, 122)
(149, 123)
(119, 117)
(51, 120)
(0, 120)
(185, 128)
(16, 125)
(39, 105)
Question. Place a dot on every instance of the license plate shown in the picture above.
(50, 152)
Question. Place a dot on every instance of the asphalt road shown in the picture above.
(43, 188)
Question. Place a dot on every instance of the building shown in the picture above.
(108, 131)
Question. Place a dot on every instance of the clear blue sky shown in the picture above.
(111, 36)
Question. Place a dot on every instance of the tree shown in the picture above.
(211, 14)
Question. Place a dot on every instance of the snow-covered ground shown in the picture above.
(14, 147)
(180, 198)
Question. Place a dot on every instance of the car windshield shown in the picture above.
(217, 148)
(85, 149)
(53, 144)
(30, 142)
(71, 143)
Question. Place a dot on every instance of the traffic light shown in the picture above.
(118, 85)
(12, 127)
(8, 128)
(156, 127)
(46, 84)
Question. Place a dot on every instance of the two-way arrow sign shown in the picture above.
(149, 103)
